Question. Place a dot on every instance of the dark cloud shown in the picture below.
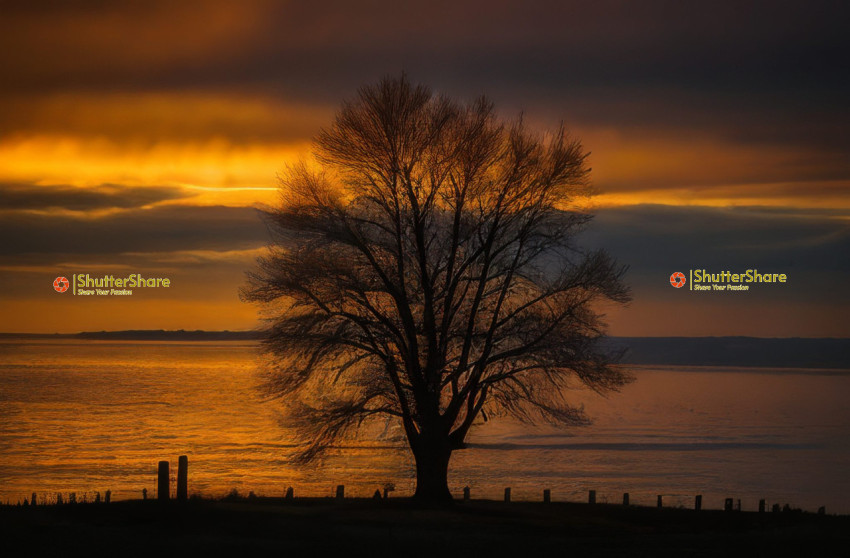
(159, 229)
(747, 73)
(754, 43)
(811, 247)
(655, 234)
(105, 196)
(762, 54)
(139, 119)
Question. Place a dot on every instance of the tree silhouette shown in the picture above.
(425, 270)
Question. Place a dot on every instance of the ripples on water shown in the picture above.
(79, 416)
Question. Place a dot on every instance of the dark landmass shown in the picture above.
(789, 352)
(358, 527)
(144, 335)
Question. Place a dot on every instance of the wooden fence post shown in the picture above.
(727, 505)
(340, 491)
(508, 494)
(466, 494)
(698, 502)
(182, 478)
(625, 498)
(163, 485)
(591, 497)
(762, 505)
(547, 496)
(289, 493)
(660, 502)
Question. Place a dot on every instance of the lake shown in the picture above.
(87, 416)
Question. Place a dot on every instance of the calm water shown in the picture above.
(91, 416)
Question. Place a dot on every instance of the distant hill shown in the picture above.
(144, 335)
(789, 352)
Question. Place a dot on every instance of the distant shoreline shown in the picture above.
(145, 335)
(789, 352)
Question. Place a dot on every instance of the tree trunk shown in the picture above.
(432, 471)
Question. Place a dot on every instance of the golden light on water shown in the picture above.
(98, 415)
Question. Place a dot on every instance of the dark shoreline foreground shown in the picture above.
(363, 527)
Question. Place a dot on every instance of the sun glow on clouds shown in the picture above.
(669, 168)
(136, 134)
(147, 155)
(218, 171)
(208, 168)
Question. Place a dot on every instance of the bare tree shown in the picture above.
(424, 269)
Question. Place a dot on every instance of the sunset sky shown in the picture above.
(137, 137)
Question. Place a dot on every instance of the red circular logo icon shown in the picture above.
(61, 284)
(678, 279)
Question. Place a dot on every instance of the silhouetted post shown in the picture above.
(163, 486)
(738, 506)
(377, 494)
(508, 494)
(97, 497)
(182, 478)
(107, 496)
(466, 494)
(547, 496)
(625, 498)
(340, 491)
(698, 502)
(591, 497)
(727, 506)
(822, 510)
(660, 502)
(775, 508)
(289, 493)
(761, 505)
(34, 501)
(144, 494)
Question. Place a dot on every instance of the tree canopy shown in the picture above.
(424, 268)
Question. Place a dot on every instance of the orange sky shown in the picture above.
(133, 138)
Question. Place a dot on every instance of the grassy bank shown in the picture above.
(355, 527)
